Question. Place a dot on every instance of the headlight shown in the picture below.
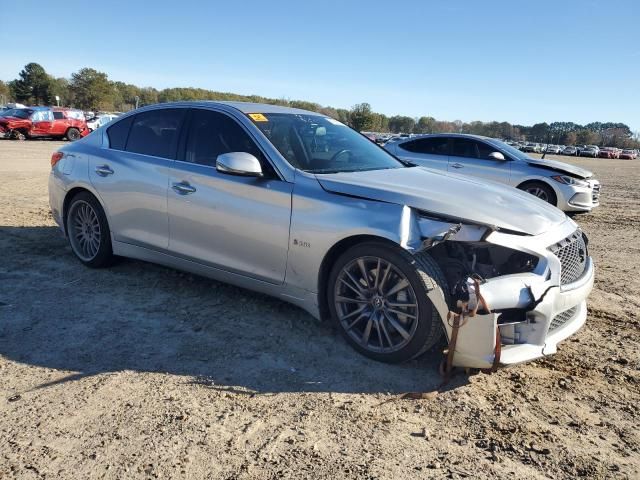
(567, 180)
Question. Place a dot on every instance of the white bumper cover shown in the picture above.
(551, 311)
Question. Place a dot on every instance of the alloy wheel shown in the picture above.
(538, 192)
(84, 230)
(376, 304)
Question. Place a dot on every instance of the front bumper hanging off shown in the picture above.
(551, 307)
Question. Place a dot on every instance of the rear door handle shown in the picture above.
(183, 188)
(457, 165)
(104, 170)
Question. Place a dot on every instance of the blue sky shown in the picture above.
(516, 61)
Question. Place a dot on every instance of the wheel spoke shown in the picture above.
(376, 323)
(401, 285)
(386, 333)
(356, 283)
(355, 289)
(355, 312)
(385, 275)
(96, 245)
(377, 277)
(363, 272)
(356, 321)
(367, 331)
(402, 304)
(397, 327)
(400, 312)
(341, 299)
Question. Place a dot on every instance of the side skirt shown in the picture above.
(302, 298)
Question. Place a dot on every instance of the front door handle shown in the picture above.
(457, 165)
(183, 188)
(104, 170)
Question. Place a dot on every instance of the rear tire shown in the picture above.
(88, 231)
(73, 134)
(541, 191)
(378, 299)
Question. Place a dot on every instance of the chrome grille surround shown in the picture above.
(572, 253)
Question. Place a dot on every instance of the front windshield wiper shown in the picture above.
(333, 170)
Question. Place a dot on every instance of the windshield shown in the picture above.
(17, 113)
(319, 144)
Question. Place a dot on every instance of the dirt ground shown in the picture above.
(140, 371)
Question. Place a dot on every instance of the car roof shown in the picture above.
(459, 135)
(244, 107)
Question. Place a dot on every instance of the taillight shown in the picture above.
(55, 158)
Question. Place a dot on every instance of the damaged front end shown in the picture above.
(534, 285)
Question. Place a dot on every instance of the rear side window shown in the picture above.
(118, 133)
(58, 115)
(156, 132)
(433, 146)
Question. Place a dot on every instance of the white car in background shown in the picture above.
(100, 120)
(568, 187)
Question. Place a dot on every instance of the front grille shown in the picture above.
(562, 318)
(572, 253)
(595, 193)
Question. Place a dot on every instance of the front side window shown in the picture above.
(214, 133)
(318, 144)
(464, 147)
(432, 145)
(155, 132)
(484, 150)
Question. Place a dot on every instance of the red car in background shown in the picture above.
(36, 122)
(606, 152)
(628, 154)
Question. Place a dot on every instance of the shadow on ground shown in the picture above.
(58, 314)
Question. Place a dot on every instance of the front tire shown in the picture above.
(378, 299)
(88, 231)
(541, 191)
(73, 134)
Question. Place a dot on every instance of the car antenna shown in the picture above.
(546, 147)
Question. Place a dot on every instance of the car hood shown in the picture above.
(449, 195)
(560, 167)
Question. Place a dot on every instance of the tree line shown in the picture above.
(90, 89)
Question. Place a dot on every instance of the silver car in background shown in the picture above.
(570, 188)
(299, 206)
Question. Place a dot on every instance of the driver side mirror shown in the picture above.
(496, 156)
(239, 163)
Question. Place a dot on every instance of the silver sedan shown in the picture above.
(299, 206)
(570, 188)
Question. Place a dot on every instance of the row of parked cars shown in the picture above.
(576, 150)
(22, 122)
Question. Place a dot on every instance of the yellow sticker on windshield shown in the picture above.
(258, 117)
